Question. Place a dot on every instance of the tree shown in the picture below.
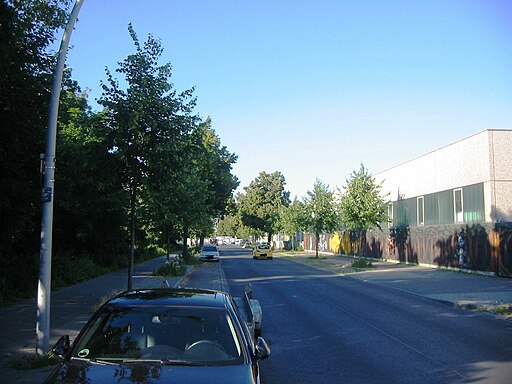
(292, 219)
(146, 121)
(320, 213)
(361, 205)
(90, 209)
(27, 31)
(215, 162)
(260, 204)
(192, 184)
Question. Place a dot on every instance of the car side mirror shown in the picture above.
(262, 349)
(61, 346)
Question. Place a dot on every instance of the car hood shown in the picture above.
(149, 373)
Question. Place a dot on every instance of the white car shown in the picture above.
(209, 253)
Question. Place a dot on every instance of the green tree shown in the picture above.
(292, 219)
(216, 163)
(90, 209)
(228, 226)
(27, 31)
(361, 205)
(320, 211)
(192, 184)
(260, 204)
(144, 120)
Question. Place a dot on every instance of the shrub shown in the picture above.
(170, 269)
(362, 263)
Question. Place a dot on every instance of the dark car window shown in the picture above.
(176, 334)
(210, 248)
(264, 246)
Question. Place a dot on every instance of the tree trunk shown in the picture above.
(168, 244)
(185, 240)
(360, 251)
(317, 240)
(133, 196)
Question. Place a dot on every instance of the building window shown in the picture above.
(390, 215)
(421, 211)
(458, 205)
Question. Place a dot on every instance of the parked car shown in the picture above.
(209, 253)
(263, 250)
(162, 336)
(247, 244)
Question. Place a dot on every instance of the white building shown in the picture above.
(469, 181)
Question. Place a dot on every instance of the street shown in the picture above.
(327, 328)
(321, 327)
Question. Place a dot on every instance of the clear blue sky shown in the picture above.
(315, 88)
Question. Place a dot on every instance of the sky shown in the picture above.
(314, 89)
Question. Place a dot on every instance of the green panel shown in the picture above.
(405, 212)
(473, 198)
(445, 205)
(431, 209)
(439, 208)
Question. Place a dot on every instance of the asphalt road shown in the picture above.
(327, 328)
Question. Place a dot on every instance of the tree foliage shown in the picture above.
(146, 156)
(361, 205)
(319, 214)
(262, 200)
(27, 30)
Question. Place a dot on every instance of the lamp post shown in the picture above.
(47, 193)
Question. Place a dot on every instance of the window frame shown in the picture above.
(420, 213)
(390, 215)
(458, 215)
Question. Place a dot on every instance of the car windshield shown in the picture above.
(209, 248)
(179, 335)
(264, 246)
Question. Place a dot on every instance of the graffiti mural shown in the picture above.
(478, 247)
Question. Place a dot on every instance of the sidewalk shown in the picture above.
(71, 307)
(460, 289)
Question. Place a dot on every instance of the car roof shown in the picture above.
(171, 297)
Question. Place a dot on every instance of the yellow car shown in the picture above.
(262, 251)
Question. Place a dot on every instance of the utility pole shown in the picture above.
(47, 195)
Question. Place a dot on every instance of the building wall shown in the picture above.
(481, 163)
(481, 158)
(462, 163)
(501, 181)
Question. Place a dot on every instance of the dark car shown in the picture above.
(162, 336)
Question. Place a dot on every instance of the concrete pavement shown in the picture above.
(71, 307)
(460, 289)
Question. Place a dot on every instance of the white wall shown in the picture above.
(501, 150)
(485, 157)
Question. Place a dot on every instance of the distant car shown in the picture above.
(209, 253)
(262, 251)
(247, 244)
(162, 336)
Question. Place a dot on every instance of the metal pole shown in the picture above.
(45, 256)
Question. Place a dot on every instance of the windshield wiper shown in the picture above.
(154, 361)
(96, 361)
(117, 361)
(185, 362)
